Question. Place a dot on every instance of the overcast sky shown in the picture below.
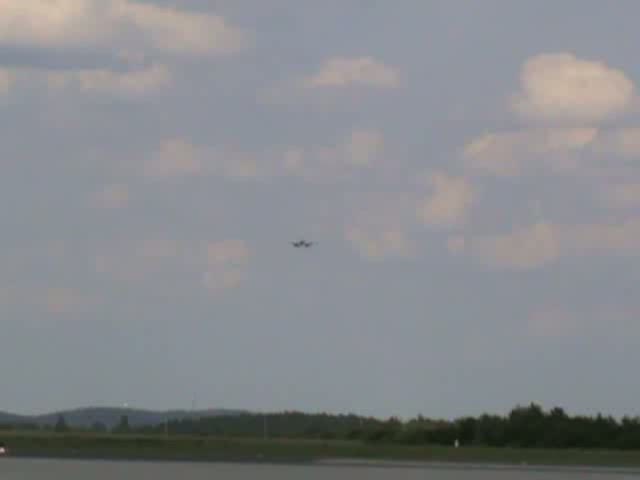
(468, 169)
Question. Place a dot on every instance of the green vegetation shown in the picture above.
(150, 447)
(523, 427)
(526, 434)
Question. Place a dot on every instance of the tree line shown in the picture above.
(523, 427)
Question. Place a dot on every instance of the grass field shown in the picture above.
(109, 446)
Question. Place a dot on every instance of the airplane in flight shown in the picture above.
(302, 243)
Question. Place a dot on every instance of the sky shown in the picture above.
(468, 171)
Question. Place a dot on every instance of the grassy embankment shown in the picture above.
(109, 446)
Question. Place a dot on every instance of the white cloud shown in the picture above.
(6, 80)
(226, 265)
(560, 86)
(112, 196)
(176, 31)
(524, 248)
(570, 97)
(362, 149)
(225, 252)
(135, 82)
(553, 322)
(66, 300)
(578, 92)
(361, 71)
(239, 165)
(175, 157)
(621, 237)
(178, 157)
(379, 225)
(623, 142)
(543, 243)
(219, 280)
(623, 195)
(379, 244)
(509, 153)
(50, 22)
(78, 23)
(131, 30)
(586, 151)
(98, 81)
(217, 265)
(456, 244)
(51, 300)
(449, 202)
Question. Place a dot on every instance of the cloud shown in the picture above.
(109, 23)
(379, 244)
(52, 300)
(588, 151)
(228, 252)
(623, 237)
(456, 244)
(449, 202)
(226, 265)
(66, 300)
(580, 93)
(96, 81)
(177, 157)
(120, 36)
(569, 98)
(623, 142)
(508, 154)
(216, 266)
(524, 248)
(623, 195)
(6, 80)
(102, 81)
(177, 31)
(47, 23)
(363, 147)
(553, 322)
(112, 197)
(544, 243)
(219, 280)
(342, 72)
(562, 87)
(379, 224)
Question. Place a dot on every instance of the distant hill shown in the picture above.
(10, 418)
(110, 416)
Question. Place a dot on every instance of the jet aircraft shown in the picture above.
(302, 243)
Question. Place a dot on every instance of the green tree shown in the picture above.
(61, 425)
(98, 427)
(123, 426)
